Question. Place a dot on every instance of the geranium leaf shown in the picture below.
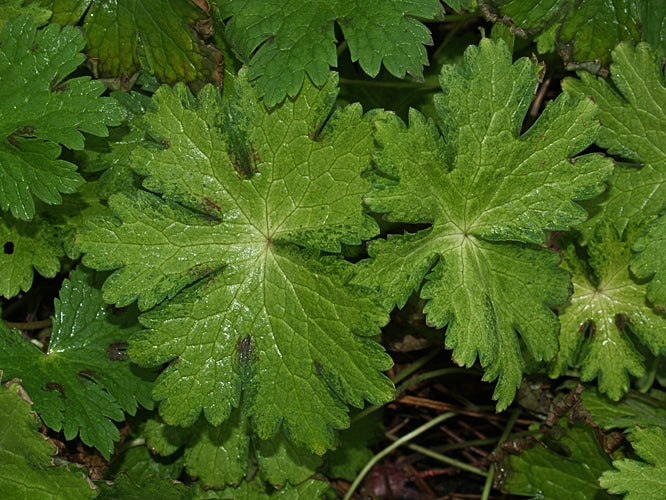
(488, 194)
(231, 257)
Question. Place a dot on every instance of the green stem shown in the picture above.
(491, 470)
(29, 325)
(404, 439)
(442, 458)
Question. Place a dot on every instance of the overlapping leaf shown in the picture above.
(632, 110)
(488, 194)
(282, 42)
(84, 380)
(26, 469)
(40, 111)
(606, 311)
(172, 39)
(26, 246)
(640, 480)
(583, 31)
(231, 259)
(221, 455)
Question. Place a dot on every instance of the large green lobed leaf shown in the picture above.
(488, 194)
(247, 307)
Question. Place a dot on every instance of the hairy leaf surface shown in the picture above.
(282, 42)
(488, 194)
(606, 311)
(232, 259)
(40, 110)
(84, 380)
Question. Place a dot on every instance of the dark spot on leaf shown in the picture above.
(573, 160)
(205, 28)
(166, 144)
(318, 368)
(26, 131)
(35, 47)
(245, 347)
(117, 351)
(9, 248)
(55, 386)
(211, 208)
(58, 88)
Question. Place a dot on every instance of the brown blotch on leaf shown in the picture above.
(55, 386)
(244, 348)
(27, 132)
(117, 351)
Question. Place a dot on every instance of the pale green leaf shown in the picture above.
(26, 469)
(606, 311)
(488, 194)
(41, 110)
(632, 110)
(230, 259)
(84, 380)
(282, 42)
(26, 246)
(640, 480)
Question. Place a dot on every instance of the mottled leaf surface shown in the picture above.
(84, 380)
(172, 40)
(41, 110)
(488, 193)
(235, 257)
(282, 42)
(583, 31)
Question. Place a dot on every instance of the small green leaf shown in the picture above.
(488, 194)
(603, 311)
(84, 380)
(640, 480)
(26, 246)
(26, 469)
(282, 42)
(564, 463)
(40, 111)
